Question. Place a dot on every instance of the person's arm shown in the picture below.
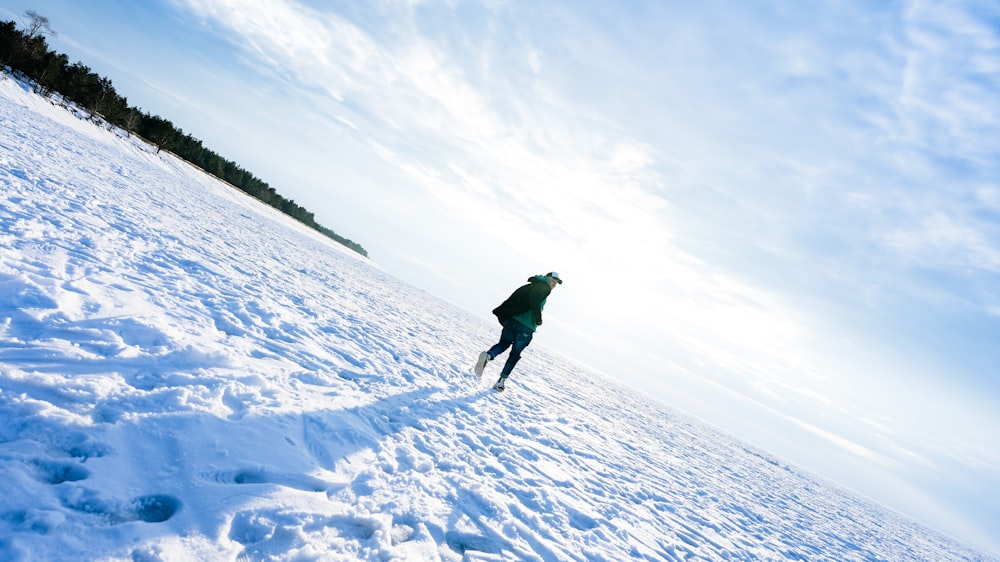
(538, 295)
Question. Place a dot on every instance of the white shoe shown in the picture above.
(499, 386)
(484, 358)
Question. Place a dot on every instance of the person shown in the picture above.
(519, 315)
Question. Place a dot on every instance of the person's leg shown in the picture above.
(506, 340)
(521, 337)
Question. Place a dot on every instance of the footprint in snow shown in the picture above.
(57, 472)
(465, 542)
(267, 535)
(261, 476)
(155, 508)
(80, 445)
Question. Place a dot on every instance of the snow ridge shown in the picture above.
(186, 374)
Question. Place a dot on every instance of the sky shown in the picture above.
(780, 217)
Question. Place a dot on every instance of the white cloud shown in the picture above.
(941, 241)
(952, 69)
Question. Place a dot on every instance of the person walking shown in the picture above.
(519, 315)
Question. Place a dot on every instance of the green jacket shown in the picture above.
(528, 318)
(525, 304)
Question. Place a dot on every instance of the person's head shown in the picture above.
(554, 279)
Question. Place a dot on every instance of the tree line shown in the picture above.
(27, 51)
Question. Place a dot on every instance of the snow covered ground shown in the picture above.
(186, 374)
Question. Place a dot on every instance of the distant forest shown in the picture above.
(28, 52)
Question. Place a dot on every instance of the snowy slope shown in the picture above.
(185, 374)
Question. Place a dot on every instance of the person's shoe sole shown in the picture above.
(481, 364)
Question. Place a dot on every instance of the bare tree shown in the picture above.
(36, 25)
(132, 120)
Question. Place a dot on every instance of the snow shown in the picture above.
(186, 374)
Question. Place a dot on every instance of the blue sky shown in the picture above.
(779, 216)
